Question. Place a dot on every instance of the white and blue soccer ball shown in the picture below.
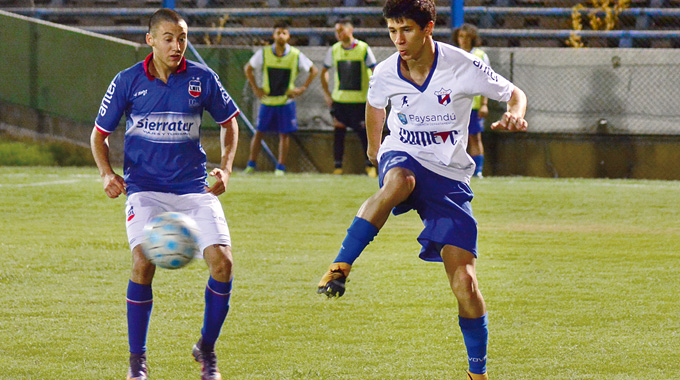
(170, 240)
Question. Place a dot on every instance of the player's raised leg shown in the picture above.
(473, 320)
(217, 295)
(139, 305)
(373, 213)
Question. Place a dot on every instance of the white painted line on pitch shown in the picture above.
(62, 182)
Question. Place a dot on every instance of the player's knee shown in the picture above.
(220, 262)
(142, 269)
(463, 284)
(400, 183)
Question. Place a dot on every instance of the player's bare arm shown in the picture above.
(249, 71)
(375, 120)
(114, 185)
(513, 119)
(324, 86)
(297, 91)
(228, 144)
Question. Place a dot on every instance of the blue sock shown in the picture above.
(476, 337)
(217, 296)
(252, 164)
(479, 163)
(359, 234)
(139, 304)
(281, 167)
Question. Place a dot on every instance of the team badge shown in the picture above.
(130, 214)
(443, 96)
(402, 118)
(195, 88)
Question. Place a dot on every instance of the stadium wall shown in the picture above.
(592, 112)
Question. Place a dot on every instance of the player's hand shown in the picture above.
(372, 155)
(297, 91)
(510, 122)
(114, 185)
(332, 283)
(259, 92)
(328, 99)
(220, 186)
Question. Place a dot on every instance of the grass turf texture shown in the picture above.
(580, 277)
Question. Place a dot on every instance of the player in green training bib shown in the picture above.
(353, 61)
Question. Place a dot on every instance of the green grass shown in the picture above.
(580, 277)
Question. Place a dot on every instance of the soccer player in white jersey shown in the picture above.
(163, 99)
(423, 164)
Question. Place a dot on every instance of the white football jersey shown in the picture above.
(430, 122)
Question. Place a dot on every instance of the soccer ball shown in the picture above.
(170, 240)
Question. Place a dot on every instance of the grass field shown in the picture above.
(581, 278)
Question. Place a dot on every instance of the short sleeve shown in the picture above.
(257, 60)
(328, 61)
(377, 96)
(484, 81)
(370, 58)
(113, 105)
(304, 63)
(220, 105)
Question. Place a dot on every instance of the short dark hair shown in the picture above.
(281, 25)
(344, 20)
(164, 14)
(420, 11)
(471, 30)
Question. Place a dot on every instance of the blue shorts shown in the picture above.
(279, 119)
(442, 203)
(476, 123)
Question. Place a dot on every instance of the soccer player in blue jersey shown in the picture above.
(423, 163)
(163, 99)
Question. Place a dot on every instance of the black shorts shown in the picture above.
(352, 115)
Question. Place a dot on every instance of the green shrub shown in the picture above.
(27, 153)
(14, 153)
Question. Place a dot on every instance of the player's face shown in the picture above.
(343, 32)
(281, 36)
(169, 42)
(464, 40)
(409, 38)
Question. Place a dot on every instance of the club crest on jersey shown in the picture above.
(402, 118)
(195, 88)
(443, 96)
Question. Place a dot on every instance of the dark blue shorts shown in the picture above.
(442, 203)
(476, 123)
(279, 119)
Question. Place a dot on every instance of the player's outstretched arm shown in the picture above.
(228, 144)
(513, 119)
(114, 185)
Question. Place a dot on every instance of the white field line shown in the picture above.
(46, 183)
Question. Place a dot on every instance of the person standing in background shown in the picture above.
(280, 64)
(353, 62)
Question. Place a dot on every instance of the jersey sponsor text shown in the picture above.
(107, 99)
